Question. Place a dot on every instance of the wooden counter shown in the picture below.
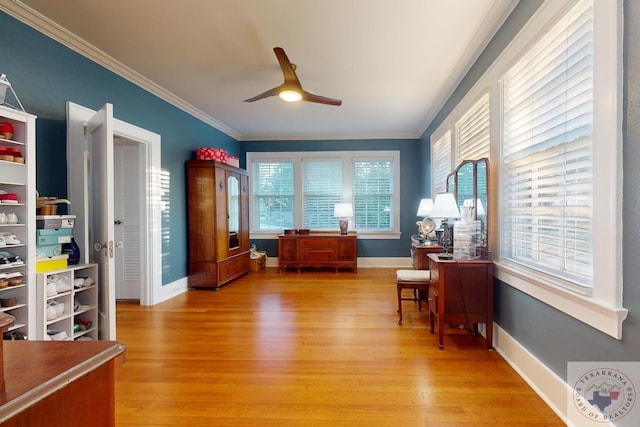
(59, 383)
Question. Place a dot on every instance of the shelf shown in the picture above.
(11, 142)
(86, 297)
(58, 319)
(58, 295)
(82, 333)
(13, 307)
(16, 326)
(84, 310)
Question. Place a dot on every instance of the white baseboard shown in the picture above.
(549, 386)
(172, 289)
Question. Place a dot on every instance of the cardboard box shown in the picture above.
(55, 221)
(53, 263)
(258, 263)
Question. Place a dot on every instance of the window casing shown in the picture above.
(547, 147)
(473, 132)
(299, 190)
(441, 164)
(597, 302)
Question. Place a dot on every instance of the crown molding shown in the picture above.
(44, 25)
(326, 137)
(500, 11)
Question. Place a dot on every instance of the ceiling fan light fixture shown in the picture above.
(290, 95)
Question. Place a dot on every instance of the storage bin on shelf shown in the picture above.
(55, 221)
(49, 241)
(52, 231)
(46, 264)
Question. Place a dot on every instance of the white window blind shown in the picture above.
(547, 152)
(272, 199)
(472, 132)
(440, 163)
(373, 194)
(322, 183)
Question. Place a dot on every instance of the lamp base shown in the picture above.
(445, 256)
(344, 225)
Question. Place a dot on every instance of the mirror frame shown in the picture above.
(452, 187)
(233, 211)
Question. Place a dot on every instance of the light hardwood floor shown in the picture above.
(309, 349)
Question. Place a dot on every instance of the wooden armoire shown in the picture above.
(218, 211)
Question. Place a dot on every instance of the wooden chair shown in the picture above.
(416, 280)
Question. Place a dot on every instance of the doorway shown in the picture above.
(145, 146)
(129, 164)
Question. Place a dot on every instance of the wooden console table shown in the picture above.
(332, 250)
(461, 292)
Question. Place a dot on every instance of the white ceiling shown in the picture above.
(392, 62)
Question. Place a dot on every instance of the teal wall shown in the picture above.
(410, 195)
(45, 75)
(550, 335)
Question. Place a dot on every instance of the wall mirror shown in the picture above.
(469, 182)
(233, 210)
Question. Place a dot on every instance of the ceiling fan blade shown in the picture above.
(270, 92)
(310, 97)
(288, 70)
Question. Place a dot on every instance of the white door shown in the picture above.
(101, 227)
(150, 189)
(128, 212)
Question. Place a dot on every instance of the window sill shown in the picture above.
(600, 315)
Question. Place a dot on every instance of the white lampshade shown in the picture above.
(479, 206)
(343, 210)
(425, 207)
(445, 206)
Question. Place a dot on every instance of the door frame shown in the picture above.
(78, 185)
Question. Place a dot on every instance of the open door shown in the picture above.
(82, 124)
(100, 215)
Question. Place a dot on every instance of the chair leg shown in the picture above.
(399, 305)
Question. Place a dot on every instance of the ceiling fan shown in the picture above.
(291, 90)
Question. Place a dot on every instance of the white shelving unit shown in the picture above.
(20, 179)
(80, 303)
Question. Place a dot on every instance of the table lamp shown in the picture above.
(343, 211)
(445, 207)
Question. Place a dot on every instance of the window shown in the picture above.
(322, 190)
(440, 163)
(272, 201)
(555, 114)
(373, 194)
(547, 158)
(299, 190)
(472, 132)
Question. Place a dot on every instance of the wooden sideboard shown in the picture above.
(461, 292)
(318, 250)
